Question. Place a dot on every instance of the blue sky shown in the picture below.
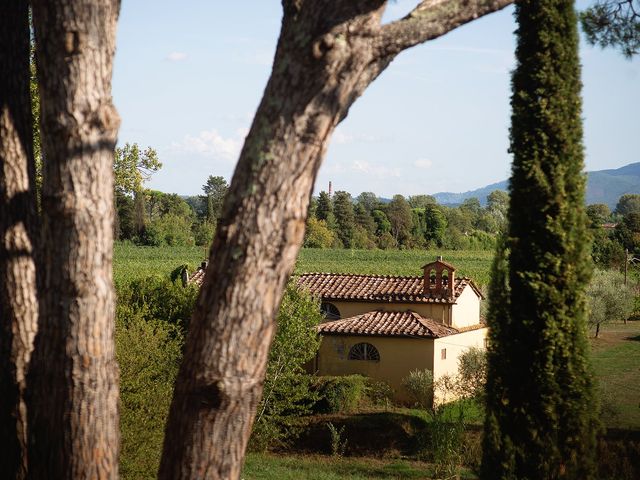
(189, 75)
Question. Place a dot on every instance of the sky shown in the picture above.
(188, 77)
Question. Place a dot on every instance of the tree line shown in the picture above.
(154, 218)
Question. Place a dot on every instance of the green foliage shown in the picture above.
(132, 167)
(345, 217)
(324, 208)
(155, 298)
(472, 373)
(422, 201)
(399, 215)
(613, 23)
(628, 203)
(598, 214)
(338, 442)
(542, 409)
(610, 300)
(287, 392)
(368, 200)
(419, 384)
(149, 354)
(340, 394)
(215, 191)
(169, 230)
(318, 234)
(203, 233)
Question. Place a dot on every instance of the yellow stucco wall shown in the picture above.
(438, 312)
(398, 356)
(466, 311)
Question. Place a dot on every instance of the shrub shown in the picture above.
(287, 393)
(340, 394)
(149, 354)
(419, 384)
(156, 298)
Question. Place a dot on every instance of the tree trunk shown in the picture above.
(73, 393)
(327, 54)
(18, 297)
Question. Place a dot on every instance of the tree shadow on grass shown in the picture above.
(367, 434)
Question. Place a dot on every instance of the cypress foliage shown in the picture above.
(541, 409)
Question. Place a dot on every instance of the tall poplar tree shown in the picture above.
(541, 411)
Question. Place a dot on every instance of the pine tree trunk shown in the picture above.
(18, 296)
(73, 376)
(327, 54)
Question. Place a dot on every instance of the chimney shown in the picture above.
(330, 189)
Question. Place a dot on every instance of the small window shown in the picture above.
(329, 311)
(364, 351)
(443, 354)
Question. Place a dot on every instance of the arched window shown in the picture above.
(445, 278)
(432, 277)
(364, 351)
(329, 311)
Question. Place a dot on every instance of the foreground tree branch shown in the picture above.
(18, 300)
(72, 382)
(432, 19)
(327, 54)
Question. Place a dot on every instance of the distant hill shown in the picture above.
(603, 186)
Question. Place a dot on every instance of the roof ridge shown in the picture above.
(370, 275)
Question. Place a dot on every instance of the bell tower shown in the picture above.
(439, 278)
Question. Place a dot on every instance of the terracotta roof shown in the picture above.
(388, 324)
(197, 277)
(377, 288)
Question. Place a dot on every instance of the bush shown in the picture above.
(340, 394)
(287, 393)
(149, 354)
(156, 298)
(419, 384)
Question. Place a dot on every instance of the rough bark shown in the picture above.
(18, 298)
(72, 383)
(327, 54)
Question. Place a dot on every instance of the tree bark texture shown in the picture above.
(18, 296)
(73, 377)
(327, 54)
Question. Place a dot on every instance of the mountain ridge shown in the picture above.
(603, 186)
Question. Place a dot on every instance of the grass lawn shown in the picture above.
(616, 359)
(317, 467)
(260, 466)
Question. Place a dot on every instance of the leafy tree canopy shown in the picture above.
(132, 167)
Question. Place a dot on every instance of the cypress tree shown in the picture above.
(541, 418)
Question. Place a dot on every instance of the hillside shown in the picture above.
(603, 186)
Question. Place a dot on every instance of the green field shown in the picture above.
(616, 359)
(133, 261)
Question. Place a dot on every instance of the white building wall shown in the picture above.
(452, 347)
(466, 311)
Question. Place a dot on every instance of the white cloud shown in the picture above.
(378, 171)
(423, 163)
(340, 137)
(212, 144)
(176, 56)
